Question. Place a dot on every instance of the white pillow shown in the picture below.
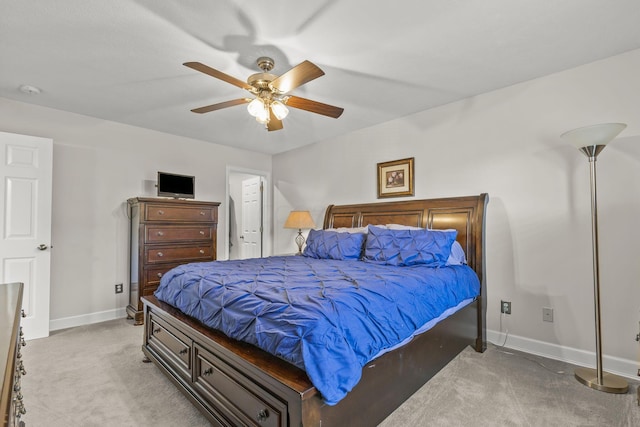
(401, 227)
(354, 230)
(457, 256)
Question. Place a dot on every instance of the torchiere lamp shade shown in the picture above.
(587, 136)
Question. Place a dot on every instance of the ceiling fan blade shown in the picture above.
(221, 105)
(274, 122)
(314, 106)
(218, 74)
(297, 76)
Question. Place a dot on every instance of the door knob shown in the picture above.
(43, 247)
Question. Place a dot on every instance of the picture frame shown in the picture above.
(395, 178)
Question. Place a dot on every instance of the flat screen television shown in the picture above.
(176, 186)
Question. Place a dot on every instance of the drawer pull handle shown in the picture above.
(263, 415)
(160, 233)
(159, 274)
(208, 372)
(201, 233)
(160, 254)
(202, 213)
(160, 212)
(184, 351)
(157, 331)
(201, 251)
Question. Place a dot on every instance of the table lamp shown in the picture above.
(299, 220)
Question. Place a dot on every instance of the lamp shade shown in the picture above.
(256, 107)
(299, 220)
(279, 110)
(593, 135)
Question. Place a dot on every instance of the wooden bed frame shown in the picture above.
(234, 383)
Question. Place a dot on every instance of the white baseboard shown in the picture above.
(615, 365)
(87, 319)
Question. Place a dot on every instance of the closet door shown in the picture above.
(252, 191)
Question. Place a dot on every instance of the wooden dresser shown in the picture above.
(165, 233)
(11, 341)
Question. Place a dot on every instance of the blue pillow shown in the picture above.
(323, 244)
(457, 256)
(409, 247)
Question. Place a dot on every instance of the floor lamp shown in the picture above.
(591, 140)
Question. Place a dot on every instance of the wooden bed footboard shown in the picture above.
(235, 383)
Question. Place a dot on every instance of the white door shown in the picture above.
(26, 173)
(251, 236)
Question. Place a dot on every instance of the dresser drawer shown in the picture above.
(252, 404)
(165, 339)
(177, 233)
(180, 213)
(149, 289)
(158, 254)
(154, 274)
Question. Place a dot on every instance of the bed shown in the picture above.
(236, 383)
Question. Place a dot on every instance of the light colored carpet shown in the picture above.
(94, 376)
(502, 387)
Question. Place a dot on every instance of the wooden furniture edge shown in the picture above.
(11, 297)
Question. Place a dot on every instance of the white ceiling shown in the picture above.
(121, 60)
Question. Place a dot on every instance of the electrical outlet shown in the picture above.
(547, 314)
(118, 288)
(505, 307)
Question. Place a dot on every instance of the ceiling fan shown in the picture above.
(271, 92)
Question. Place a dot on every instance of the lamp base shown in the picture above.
(610, 383)
(299, 241)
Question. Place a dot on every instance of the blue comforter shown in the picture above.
(327, 317)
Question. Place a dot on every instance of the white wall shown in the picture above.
(506, 143)
(97, 166)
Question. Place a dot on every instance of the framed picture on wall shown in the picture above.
(395, 179)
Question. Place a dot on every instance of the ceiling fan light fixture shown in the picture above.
(263, 115)
(262, 119)
(279, 110)
(256, 107)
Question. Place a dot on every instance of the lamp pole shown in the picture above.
(592, 152)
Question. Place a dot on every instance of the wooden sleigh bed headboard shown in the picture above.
(465, 214)
(258, 388)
